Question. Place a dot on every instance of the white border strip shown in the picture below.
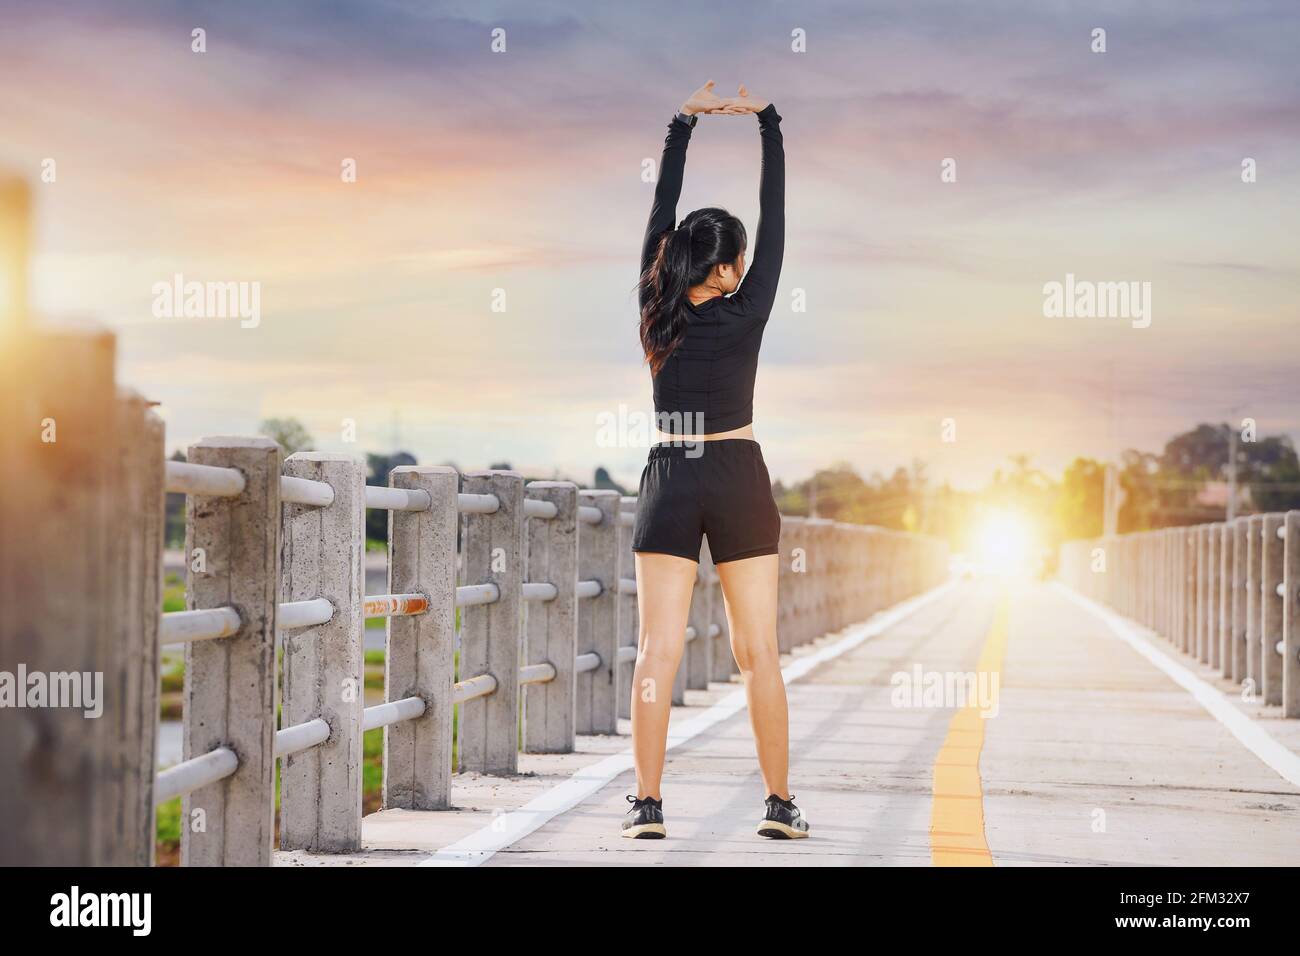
(508, 828)
(1249, 732)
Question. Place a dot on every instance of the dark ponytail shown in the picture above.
(686, 256)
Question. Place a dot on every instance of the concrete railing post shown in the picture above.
(1254, 555)
(819, 544)
(131, 671)
(322, 554)
(722, 665)
(1226, 539)
(597, 708)
(790, 583)
(1210, 653)
(831, 620)
(1191, 570)
(419, 660)
(1240, 596)
(1162, 612)
(1270, 624)
(551, 627)
(490, 633)
(1291, 616)
(1197, 649)
(629, 622)
(697, 665)
(230, 684)
(80, 576)
(877, 569)
(1176, 582)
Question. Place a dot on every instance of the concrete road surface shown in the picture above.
(1089, 755)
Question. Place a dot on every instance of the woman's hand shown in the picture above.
(742, 102)
(704, 100)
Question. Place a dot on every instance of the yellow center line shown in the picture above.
(957, 811)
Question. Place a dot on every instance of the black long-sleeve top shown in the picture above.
(706, 385)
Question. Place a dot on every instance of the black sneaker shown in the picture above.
(647, 822)
(783, 820)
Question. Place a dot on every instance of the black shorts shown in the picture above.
(716, 488)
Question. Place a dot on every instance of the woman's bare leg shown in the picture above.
(749, 593)
(664, 583)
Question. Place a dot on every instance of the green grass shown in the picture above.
(372, 770)
(173, 593)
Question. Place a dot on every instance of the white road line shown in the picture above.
(508, 828)
(1250, 732)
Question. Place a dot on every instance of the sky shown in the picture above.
(523, 171)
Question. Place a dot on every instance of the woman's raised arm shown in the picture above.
(758, 290)
(663, 212)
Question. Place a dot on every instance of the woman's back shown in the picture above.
(705, 384)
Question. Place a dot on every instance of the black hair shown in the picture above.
(686, 255)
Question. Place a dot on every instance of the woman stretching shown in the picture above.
(701, 331)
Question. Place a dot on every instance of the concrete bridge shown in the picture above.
(1141, 710)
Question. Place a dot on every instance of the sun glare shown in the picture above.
(1004, 543)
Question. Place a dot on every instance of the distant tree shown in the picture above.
(291, 434)
(1267, 470)
(1273, 473)
(602, 479)
(1079, 504)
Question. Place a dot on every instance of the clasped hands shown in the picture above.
(704, 100)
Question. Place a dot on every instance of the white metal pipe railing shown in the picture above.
(304, 491)
(473, 687)
(392, 712)
(539, 591)
(537, 673)
(191, 774)
(468, 595)
(397, 499)
(300, 737)
(533, 508)
(471, 504)
(394, 605)
(182, 627)
(183, 478)
(599, 556)
(295, 614)
(692, 633)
